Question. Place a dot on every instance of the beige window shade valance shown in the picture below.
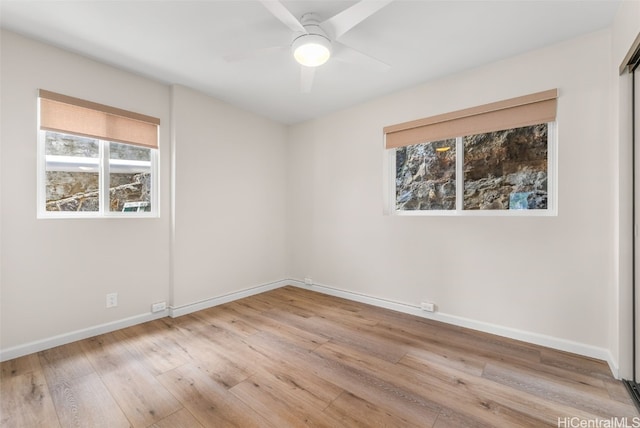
(517, 112)
(61, 113)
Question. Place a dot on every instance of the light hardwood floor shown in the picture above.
(291, 357)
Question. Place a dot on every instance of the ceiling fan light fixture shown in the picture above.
(311, 50)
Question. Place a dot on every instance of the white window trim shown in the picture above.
(389, 171)
(103, 166)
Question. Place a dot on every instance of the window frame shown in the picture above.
(103, 185)
(552, 185)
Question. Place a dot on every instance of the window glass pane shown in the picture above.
(426, 176)
(71, 173)
(129, 178)
(506, 169)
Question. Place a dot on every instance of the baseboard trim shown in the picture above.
(85, 333)
(512, 333)
(63, 339)
(176, 311)
(613, 365)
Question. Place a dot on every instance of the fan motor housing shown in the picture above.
(313, 48)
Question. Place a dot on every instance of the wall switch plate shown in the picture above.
(112, 300)
(428, 306)
(308, 281)
(159, 307)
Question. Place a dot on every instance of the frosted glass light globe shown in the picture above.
(311, 50)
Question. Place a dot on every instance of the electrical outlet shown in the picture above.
(158, 307)
(428, 306)
(112, 300)
(308, 281)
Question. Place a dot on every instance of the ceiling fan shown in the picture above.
(315, 41)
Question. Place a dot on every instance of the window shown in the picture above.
(93, 161)
(426, 176)
(506, 170)
(502, 170)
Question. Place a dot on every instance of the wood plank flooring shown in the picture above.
(295, 358)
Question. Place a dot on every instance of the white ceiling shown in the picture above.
(184, 42)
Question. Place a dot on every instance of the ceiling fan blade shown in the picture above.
(306, 78)
(350, 17)
(346, 54)
(278, 10)
(243, 56)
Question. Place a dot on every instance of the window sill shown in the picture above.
(476, 213)
(77, 216)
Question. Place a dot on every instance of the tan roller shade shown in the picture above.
(61, 113)
(512, 113)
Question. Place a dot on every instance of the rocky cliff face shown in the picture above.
(506, 169)
(426, 177)
(502, 170)
(84, 191)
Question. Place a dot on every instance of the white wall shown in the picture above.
(225, 234)
(230, 199)
(625, 29)
(546, 276)
(56, 273)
